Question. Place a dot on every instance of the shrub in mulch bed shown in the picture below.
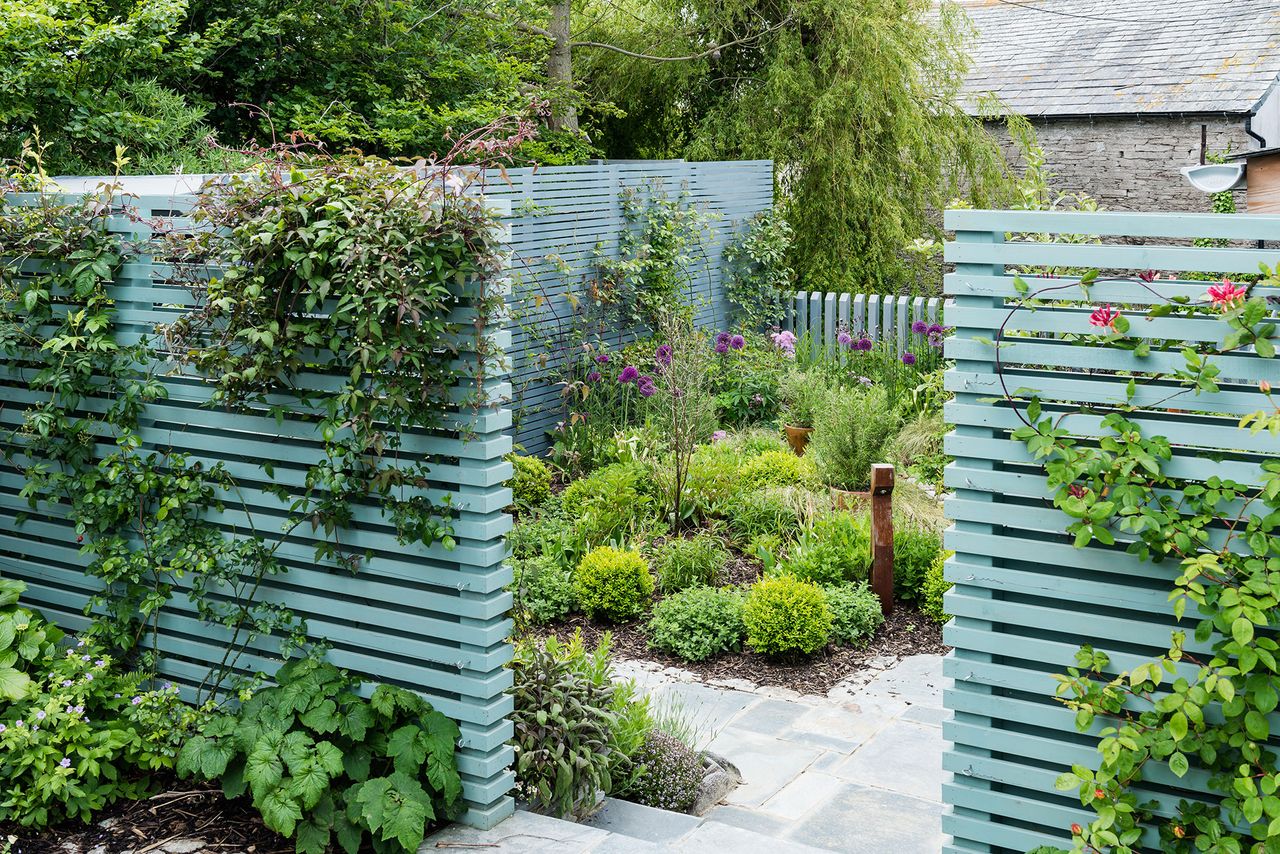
(181, 812)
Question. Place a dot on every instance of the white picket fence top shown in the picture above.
(879, 317)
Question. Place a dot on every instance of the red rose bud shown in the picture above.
(80, 538)
(1076, 830)
(1178, 831)
(1264, 387)
(1098, 793)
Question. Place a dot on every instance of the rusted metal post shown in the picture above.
(882, 535)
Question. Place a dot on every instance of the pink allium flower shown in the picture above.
(719, 436)
(1104, 317)
(1226, 294)
(844, 339)
(785, 341)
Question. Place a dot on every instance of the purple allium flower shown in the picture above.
(663, 356)
(66, 762)
(719, 436)
(844, 339)
(646, 386)
(936, 340)
(722, 346)
(593, 377)
(863, 344)
(919, 327)
(602, 359)
(629, 374)
(936, 327)
(723, 338)
(908, 358)
(737, 342)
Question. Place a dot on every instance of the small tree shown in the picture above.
(683, 404)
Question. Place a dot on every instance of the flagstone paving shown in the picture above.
(858, 770)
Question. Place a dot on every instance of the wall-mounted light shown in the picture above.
(1215, 177)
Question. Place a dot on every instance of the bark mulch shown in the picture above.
(907, 632)
(180, 815)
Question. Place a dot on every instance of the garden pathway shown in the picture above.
(859, 770)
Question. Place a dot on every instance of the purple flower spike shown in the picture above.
(737, 342)
(919, 327)
(908, 358)
(663, 356)
(629, 374)
(593, 377)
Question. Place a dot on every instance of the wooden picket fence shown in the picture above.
(817, 318)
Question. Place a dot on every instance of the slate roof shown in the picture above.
(1092, 57)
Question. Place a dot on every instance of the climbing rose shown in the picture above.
(629, 374)
(737, 342)
(1077, 829)
(1264, 386)
(919, 327)
(1104, 317)
(908, 358)
(1226, 294)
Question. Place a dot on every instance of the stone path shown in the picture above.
(859, 771)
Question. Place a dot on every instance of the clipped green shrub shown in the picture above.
(682, 563)
(914, 551)
(668, 773)
(698, 623)
(543, 589)
(834, 549)
(614, 584)
(610, 504)
(530, 482)
(933, 589)
(851, 431)
(773, 468)
(784, 615)
(855, 613)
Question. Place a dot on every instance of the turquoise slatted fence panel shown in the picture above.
(822, 316)
(1024, 599)
(563, 215)
(426, 618)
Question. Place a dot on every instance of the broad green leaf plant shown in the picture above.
(1203, 705)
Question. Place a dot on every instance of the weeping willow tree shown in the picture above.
(856, 101)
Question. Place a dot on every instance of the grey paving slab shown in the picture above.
(863, 820)
(804, 794)
(931, 715)
(837, 746)
(641, 822)
(710, 709)
(844, 722)
(770, 717)
(615, 843)
(767, 764)
(522, 831)
(749, 818)
(904, 757)
(917, 679)
(719, 838)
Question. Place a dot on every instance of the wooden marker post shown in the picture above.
(882, 535)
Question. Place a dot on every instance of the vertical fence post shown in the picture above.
(829, 323)
(859, 315)
(882, 535)
(815, 323)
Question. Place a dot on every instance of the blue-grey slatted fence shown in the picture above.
(426, 618)
(563, 215)
(821, 316)
(1024, 599)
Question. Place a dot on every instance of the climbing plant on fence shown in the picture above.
(291, 375)
(1185, 758)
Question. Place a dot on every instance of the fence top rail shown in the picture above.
(1118, 224)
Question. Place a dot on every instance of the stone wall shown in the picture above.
(1131, 164)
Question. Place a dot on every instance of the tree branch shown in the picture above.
(708, 52)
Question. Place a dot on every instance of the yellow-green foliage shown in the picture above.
(612, 503)
(774, 468)
(530, 481)
(614, 584)
(784, 615)
(931, 592)
(835, 549)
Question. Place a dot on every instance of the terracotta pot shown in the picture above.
(798, 438)
(846, 499)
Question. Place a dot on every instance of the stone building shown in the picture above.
(1122, 92)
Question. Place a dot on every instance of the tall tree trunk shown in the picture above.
(560, 66)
